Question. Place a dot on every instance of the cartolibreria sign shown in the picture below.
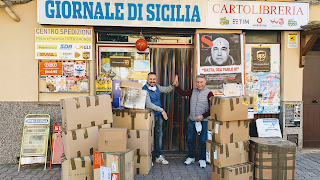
(121, 11)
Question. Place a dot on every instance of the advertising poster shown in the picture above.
(68, 68)
(63, 43)
(50, 68)
(260, 59)
(103, 85)
(220, 59)
(265, 87)
(141, 69)
(34, 141)
(79, 68)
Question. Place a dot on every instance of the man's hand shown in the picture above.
(164, 114)
(175, 81)
(199, 118)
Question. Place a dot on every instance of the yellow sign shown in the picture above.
(141, 75)
(63, 39)
(40, 46)
(292, 38)
(104, 87)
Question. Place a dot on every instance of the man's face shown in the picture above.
(220, 50)
(152, 79)
(201, 83)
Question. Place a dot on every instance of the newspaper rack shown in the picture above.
(34, 145)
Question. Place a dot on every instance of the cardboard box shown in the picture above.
(141, 141)
(223, 155)
(142, 164)
(112, 140)
(120, 164)
(235, 172)
(133, 119)
(231, 108)
(274, 158)
(223, 132)
(130, 84)
(77, 168)
(86, 111)
(133, 98)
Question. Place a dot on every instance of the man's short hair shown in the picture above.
(201, 76)
(152, 73)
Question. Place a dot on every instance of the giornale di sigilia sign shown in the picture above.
(175, 14)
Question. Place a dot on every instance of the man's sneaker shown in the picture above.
(189, 161)
(162, 160)
(202, 163)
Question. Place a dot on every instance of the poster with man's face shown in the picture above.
(220, 59)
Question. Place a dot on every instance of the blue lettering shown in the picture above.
(51, 15)
(150, 18)
(98, 11)
(87, 10)
(163, 13)
(172, 13)
(58, 15)
(108, 16)
(158, 12)
(67, 16)
(178, 14)
(119, 16)
(130, 16)
(187, 13)
(140, 12)
(196, 14)
(76, 10)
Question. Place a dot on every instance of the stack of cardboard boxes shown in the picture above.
(228, 138)
(140, 125)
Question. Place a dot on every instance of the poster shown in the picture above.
(141, 69)
(265, 88)
(79, 68)
(293, 40)
(63, 43)
(68, 68)
(50, 68)
(220, 59)
(82, 84)
(34, 141)
(260, 58)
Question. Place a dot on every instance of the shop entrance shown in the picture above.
(168, 61)
(311, 98)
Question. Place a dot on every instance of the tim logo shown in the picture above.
(279, 21)
(65, 46)
(291, 22)
(240, 21)
(224, 21)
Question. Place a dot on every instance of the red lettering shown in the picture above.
(288, 8)
(232, 8)
(249, 9)
(224, 9)
(280, 10)
(299, 10)
(213, 8)
(253, 10)
(260, 9)
(265, 9)
(206, 41)
(273, 9)
(240, 8)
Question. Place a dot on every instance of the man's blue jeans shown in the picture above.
(158, 135)
(203, 138)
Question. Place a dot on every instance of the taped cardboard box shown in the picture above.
(274, 158)
(86, 111)
(133, 98)
(228, 131)
(120, 164)
(141, 141)
(142, 164)
(77, 168)
(231, 108)
(223, 155)
(239, 172)
(112, 140)
(133, 119)
(81, 142)
(130, 84)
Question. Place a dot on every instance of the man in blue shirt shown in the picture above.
(153, 101)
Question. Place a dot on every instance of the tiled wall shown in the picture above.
(11, 125)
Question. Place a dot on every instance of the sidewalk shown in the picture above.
(307, 168)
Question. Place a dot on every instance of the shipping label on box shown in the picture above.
(231, 108)
(240, 171)
(228, 131)
(142, 164)
(222, 155)
(141, 141)
(86, 111)
(112, 140)
(273, 157)
(133, 98)
(268, 127)
(77, 168)
(133, 119)
(120, 163)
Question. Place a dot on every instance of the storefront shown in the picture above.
(98, 51)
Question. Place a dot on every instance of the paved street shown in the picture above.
(307, 168)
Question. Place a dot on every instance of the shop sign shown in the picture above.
(63, 43)
(50, 68)
(257, 15)
(137, 13)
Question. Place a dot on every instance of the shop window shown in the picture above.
(264, 37)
